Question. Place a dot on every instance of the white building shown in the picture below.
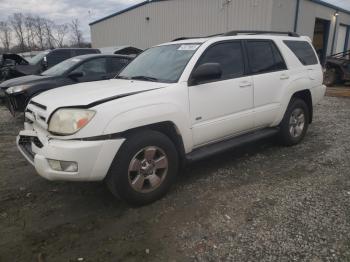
(153, 22)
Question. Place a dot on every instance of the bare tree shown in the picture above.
(76, 34)
(5, 35)
(39, 31)
(48, 29)
(17, 23)
(29, 23)
(60, 33)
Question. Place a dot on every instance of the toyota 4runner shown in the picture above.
(176, 102)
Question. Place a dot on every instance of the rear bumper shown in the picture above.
(93, 157)
(318, 93)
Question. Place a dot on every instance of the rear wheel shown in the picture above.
(295, 122)
(144, 168)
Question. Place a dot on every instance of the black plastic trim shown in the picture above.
(222, 146)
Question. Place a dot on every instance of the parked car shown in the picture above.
(14, 65)
(78, 69)
(174, 103)
(121, 50)
(337, 69)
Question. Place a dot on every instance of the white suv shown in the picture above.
(176, 102)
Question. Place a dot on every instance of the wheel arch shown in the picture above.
(306, 96)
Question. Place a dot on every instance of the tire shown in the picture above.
(295, 122)
(331, 77)
(137, 180)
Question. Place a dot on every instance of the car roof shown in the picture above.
(88, 56)
(201, 40)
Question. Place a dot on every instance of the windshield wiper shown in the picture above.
(146, 78)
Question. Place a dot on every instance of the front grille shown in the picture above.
(38, 105)
(36, 113)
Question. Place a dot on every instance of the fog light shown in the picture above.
(65, 166)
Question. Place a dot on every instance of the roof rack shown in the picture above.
(248, 32)
(233, 33)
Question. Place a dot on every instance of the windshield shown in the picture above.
(160, 64)
(62, 67)
(36, 59)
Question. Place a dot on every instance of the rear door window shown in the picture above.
(303, 51)
(229, 55)
(264, 57)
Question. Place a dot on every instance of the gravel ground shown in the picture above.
(261, 202)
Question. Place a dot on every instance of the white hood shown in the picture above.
(86, 93)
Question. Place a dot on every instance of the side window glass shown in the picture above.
(260, 55)
(118, 64)
(56, 57)
(279, 62)
(229, 55)
(93, 67)
(303, 52)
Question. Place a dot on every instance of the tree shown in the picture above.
(76, 34)
(5, 35)
(59, 34)
(48, 29)
(17, 23)
(29, 23)
(39, 31)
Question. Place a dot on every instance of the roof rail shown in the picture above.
(233, 33)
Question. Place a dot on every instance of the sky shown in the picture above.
(63, 11)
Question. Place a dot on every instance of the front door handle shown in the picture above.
(284, 76)
(245, 84)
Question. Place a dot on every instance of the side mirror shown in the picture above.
(44, 63)
(205, 73)
(76, 75)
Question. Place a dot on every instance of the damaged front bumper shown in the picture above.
(92, 159)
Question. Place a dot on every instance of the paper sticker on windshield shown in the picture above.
(188, 47)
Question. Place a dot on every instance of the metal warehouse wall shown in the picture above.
(175, 18)
(309, 11)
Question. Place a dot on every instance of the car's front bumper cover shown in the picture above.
(93, 157)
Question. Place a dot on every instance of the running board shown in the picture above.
(225, 145)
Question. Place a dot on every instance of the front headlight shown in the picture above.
(68, 121)
(16, 89)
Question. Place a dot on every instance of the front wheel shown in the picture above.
(144, 168)
(295, 122)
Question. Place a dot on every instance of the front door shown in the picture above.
(224, 107)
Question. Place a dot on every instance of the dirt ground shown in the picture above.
(261, 202)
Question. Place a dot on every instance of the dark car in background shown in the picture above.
(78, 69)
(13, 65)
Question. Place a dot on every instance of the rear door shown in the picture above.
(270, 76)
(224, 107)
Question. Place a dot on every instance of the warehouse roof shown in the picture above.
(334, 4)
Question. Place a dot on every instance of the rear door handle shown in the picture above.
(245, 84)
(284, 76)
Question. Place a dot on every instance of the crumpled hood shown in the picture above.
(92, 93)
(17, 58)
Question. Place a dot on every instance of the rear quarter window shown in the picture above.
(303, 51)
